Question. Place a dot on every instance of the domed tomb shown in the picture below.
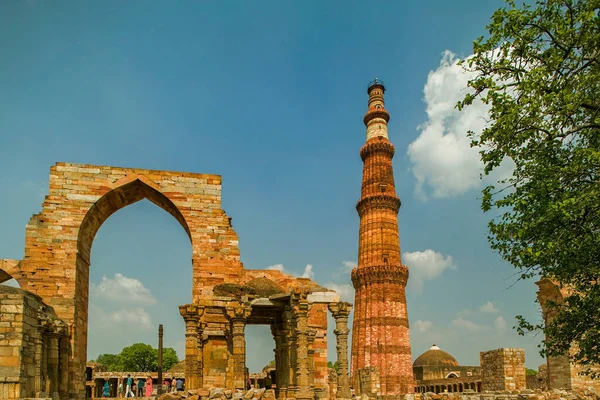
(264, 287)
(435, 357)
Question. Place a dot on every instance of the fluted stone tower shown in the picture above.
(380, 335)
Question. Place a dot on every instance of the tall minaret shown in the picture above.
(380, 335)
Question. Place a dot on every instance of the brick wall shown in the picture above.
(503, 369)
(80, 198)
(19, 312)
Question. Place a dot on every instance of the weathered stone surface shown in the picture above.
(216, 393)
(503, 369)
(56, 267)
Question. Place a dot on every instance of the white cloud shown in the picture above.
(422, 326)
(464, 313)
(468, 325)
(345, 290)
(122, 289)
(426, 265)
(308, 272)
(442, 160)
(349, 265)
(500, 324)
(489, 308)
(136, 317)
(276, 267)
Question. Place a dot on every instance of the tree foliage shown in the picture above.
(138, 357)
(538, 70)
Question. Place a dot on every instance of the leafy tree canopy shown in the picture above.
(538, 70)
(138, 357)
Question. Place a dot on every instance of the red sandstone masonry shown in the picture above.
(81, 197)
(380, 333)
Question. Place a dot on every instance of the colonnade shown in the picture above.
(222, 327)
(449, 387)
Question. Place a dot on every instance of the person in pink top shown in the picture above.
(149, 387)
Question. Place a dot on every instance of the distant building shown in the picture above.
(438, 371)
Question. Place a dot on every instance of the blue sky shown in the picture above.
(270, 95)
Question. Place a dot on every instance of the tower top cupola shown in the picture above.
(376, 117)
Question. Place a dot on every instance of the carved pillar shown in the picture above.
(200, 356)
(190, 314)
(302, 380)
(285, 369)
(238, 326)
(340, 312)
(312, 333)
(277, 333)
(39, 359)
(53, 359)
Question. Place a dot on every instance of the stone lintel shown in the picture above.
(264, 302)
(323, 297)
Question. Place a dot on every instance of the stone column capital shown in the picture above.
(191, 312)
(340, 309)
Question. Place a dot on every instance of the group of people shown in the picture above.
(128, 386)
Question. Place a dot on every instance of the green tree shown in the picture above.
(529, 371)
(138, 357)
(111, 362)
(169, 358)
(538, 70)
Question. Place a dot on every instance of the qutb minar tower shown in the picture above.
(380, 335)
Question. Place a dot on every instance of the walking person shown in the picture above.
(129, 385)
(106, 389)
(149, 387)
(140, 387)
(120, 388)
(173, 385)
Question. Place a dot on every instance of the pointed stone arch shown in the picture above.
(127, 192)
(80, 199)
(9, 270)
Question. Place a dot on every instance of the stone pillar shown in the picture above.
(312, 333)
(292, 377)
(191, 316)
(277, 333)
(39, 359)
(340, 312)
(53, 360)
(238, 326)
(284, 370)
(302, 379)
(200, 357)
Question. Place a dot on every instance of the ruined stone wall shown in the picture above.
(317, 321)
(367, 382)
(12, 304)
(503, 369)
(80, 198)
(22, 344)
(535, 382)
(562, 374)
